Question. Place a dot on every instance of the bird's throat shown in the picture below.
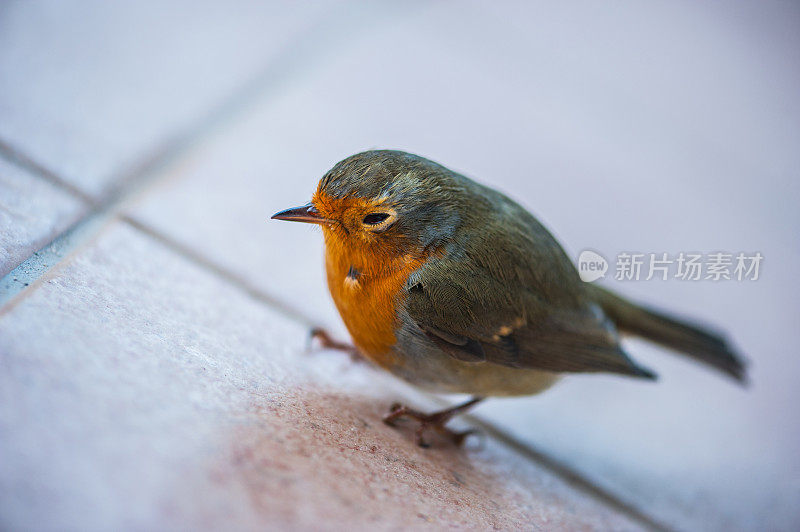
(368, 296)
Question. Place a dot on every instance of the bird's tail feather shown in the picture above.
(682, 336)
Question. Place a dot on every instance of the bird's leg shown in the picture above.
(327, 342)
(435, 421)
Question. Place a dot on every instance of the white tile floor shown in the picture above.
(648, 128)
(149, 394)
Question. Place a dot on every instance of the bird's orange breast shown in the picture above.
(367, 291)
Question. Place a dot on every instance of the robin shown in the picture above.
(456, 288)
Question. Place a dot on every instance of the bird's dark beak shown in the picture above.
(306, 213)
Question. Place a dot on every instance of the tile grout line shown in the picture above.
(219, 271)
(23, 161)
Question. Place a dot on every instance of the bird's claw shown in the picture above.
(435, 421)
(327, 342)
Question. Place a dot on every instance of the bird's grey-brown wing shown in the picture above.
(509, 295)
(486, 322)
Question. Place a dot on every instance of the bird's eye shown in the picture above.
(379, 221)
(374, 218)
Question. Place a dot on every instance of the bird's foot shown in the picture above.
(327, 342)
(435, 421)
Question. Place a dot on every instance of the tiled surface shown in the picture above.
(90, 89)
(140, 391)
(147, 394)
(679, 144)
(32, 212)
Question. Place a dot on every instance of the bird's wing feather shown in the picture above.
(522, 305)
(516, 330)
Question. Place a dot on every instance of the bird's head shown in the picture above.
(383, 204)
